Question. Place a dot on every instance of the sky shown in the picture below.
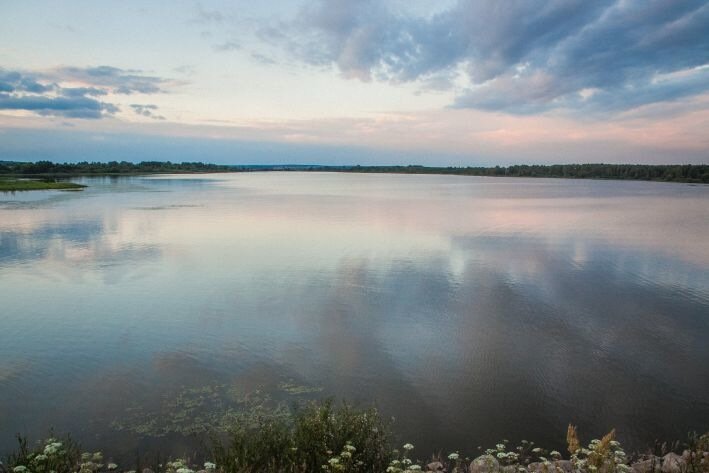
(484, 82)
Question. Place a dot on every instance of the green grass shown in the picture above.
(328, 437)
(13, 185)
(306, 440)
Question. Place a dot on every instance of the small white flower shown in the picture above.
(332, 461)
(346, 455)
(350, 448)
(414, 468)
(209, 466)
(52, 448)
(500, 446)
(184, 470)
(20, 469)
(554, 453)
(408, 446)
(40, 458)
(453, 456)
(536, 450)
(112, 466)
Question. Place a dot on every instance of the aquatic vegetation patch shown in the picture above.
(169, 207)
(212, 408)
(295, 389)
(14, 185)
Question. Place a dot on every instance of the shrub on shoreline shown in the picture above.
(325, 437)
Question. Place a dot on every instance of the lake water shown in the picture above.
(143, 309)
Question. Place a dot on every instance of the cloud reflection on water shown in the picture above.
(466, 306)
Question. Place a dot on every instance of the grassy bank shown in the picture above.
(690, 173)
(13, 185)
(325, 437)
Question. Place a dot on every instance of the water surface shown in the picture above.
(470, 309)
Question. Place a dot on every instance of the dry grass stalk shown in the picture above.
(605, 445)
(572, 439)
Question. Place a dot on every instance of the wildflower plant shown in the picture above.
(455, 462)
(605, 455)
(401, 463)
(340, 439)
(315, 437)
(50, 456)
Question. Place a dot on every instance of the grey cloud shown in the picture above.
(262, 59)
(118, 81)
(11, 81)
(208, 16)
(227, 46)
(185, 69)
(70, 107)
(147, 110)
(79, 91)
(519, 56)
(41, 92)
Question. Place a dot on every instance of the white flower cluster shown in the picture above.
(52, 447)
(342, 461)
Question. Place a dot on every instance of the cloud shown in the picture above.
(32, 92)
(227, 46)
(208, 16)
(13, 81)
(118, 81)
(520, 57)
(262, 59)
(185, 69)
(47, 93)
(147, 110)
(69, 107)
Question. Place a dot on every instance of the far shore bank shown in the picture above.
(24, 184)
(685, 173)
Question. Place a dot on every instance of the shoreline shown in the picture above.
(683, 173)
(30, 184)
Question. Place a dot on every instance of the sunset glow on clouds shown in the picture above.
(344, 81)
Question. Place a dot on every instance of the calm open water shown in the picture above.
(470, 309)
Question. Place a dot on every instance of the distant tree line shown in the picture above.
(698, 173)
(112, 167)
(671, 172)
